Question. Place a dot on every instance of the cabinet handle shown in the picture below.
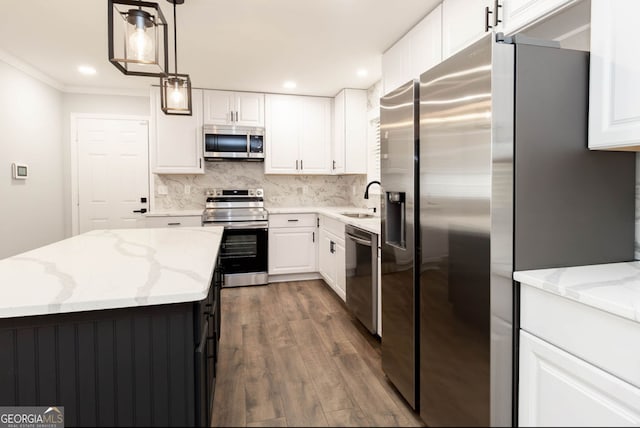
(174, 224)
(313, 237)
(301, 168)
(296, 164)
(237, 112)
(332, 247)
(231, 118)
(317, 221)
(334, 164)
(200, 163)
(293, 219)
(486, 19)
(496, 15)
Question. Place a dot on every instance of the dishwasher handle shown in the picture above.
(359, 240)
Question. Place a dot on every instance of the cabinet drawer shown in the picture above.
(333, 226)
(292, 220)
(174, 221)
(607, 341)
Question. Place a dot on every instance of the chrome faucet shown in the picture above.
(366, 191)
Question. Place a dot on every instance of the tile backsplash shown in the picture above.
(280, 190)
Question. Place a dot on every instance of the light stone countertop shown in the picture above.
(612, 287)
(370, 224)
(106, 269)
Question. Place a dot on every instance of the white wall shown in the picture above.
(32, 212)
(94, 104)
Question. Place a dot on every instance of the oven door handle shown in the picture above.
(245, 225)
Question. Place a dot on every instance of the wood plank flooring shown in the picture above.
(292, 355)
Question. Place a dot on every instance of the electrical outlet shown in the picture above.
(187, 189)
(163, 190)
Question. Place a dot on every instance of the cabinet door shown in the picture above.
(292, 250)
(463, 22)
(516, 14)
(326, 265)
(337, 149)
(558, 389)
(341, 270)
(176, 141)
(315, 136)
(250, 108)
(218, 107)
(355, 132)
(396, 65)
(614, 110)
(426, 43)
(282, 129)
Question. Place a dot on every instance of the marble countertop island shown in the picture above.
(107, 269)
(612, 287)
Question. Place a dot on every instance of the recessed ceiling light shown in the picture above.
(362, 72)
(87, 70)
(289, 84)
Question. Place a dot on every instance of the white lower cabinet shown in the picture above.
(559, 389)
(293, 244)
(331, 255)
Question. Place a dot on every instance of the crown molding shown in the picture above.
(30, 70)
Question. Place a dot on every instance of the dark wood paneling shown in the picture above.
(7, 368)
(106, 373)
(86, 369)
(67, 387)
(125, 385)
(27, 370)
(122, 367)
(47, 366)
(160, 370)
(143, 394)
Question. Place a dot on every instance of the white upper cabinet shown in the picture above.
(464, 22)
(233, 108)
(350, 132)
(426, 43)
(614, 91)
(416, 52)
(517, 14)
(298, 134)
(176, 141)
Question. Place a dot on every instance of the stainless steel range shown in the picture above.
(244, 247)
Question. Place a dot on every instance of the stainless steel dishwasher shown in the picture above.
(362, 275)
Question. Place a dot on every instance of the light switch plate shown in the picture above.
(19, 171)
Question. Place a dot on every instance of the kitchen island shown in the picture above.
(118, 326)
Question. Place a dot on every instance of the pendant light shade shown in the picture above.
(175, 88)
(175, 94)
(138, 39)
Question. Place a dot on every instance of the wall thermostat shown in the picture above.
(20, 171)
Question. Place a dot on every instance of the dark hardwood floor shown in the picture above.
(292, 355)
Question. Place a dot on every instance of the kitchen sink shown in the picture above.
(358, 215)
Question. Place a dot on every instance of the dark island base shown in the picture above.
(139, 366)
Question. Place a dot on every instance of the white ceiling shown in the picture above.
(252, 45)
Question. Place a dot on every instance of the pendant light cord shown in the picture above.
(175, 39)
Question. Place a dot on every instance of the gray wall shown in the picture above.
(32, 211)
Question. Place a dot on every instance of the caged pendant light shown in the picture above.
(138, 40)
(175, 89)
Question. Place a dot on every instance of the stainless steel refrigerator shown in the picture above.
(499, 179)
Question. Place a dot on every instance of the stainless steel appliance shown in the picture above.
(233, 142)
(362, 275)
(504, 182)
(244, 248)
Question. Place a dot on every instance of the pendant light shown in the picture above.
(138, 38)
(175, 89)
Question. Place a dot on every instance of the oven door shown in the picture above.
(243, 256)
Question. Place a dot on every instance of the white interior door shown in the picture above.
(113, 174)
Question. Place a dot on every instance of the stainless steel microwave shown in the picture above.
(233, 142)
